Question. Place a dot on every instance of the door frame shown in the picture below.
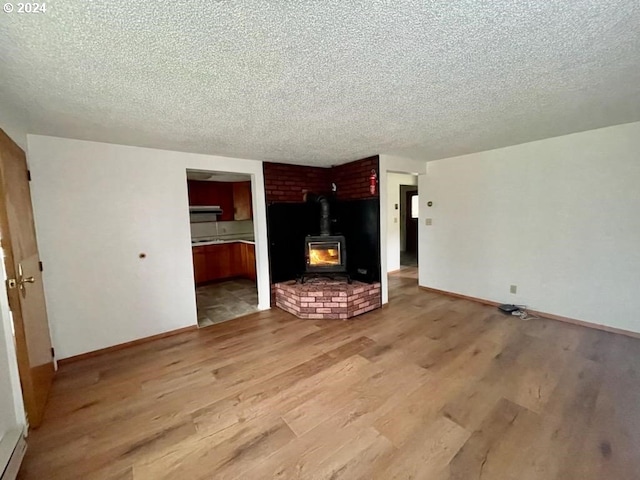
(243, 254)
(395, 164)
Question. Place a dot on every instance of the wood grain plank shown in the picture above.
(428, 387)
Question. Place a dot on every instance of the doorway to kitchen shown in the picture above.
(223, 245)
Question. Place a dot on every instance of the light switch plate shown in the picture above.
(428, 221)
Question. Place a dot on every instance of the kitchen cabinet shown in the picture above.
(203, 193)
(242, 201)
(222, 261)
(249, 261)
(233, 197)
(200, 268)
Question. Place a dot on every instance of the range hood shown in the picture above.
(204, 214)
(212, 209)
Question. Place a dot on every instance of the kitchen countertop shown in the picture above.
(214, 241)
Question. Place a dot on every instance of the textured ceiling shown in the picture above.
(322, 82)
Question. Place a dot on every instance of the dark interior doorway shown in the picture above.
(410, 255)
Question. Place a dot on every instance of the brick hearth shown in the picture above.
(323, 299)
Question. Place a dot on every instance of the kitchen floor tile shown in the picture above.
(222, 301)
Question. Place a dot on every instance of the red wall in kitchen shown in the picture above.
(286, 183)
(212, 193)
(352, 179)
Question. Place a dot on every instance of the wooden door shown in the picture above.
(22, 264)
(411, 223)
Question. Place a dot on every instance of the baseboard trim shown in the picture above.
(459, 295)
(550, 316)
(122, 346)
(582, 323)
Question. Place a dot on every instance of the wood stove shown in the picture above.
(325, 254)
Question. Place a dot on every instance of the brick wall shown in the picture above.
(352, 178)
(286, 183)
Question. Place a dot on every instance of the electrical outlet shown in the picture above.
(514, 289)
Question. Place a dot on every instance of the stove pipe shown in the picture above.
(325, 222)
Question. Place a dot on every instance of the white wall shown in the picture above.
(97, 207)
(392, 164)
(14, 125)
(559, 218)
(394, 220)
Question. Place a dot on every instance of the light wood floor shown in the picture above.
(429, 387)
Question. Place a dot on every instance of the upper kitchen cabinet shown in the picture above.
(212, 193)
(233, 197)
(242, 201)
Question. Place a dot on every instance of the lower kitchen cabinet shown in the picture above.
(249, 261)
(224, 260)
(200, 268)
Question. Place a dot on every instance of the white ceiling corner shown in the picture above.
(326, 82)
